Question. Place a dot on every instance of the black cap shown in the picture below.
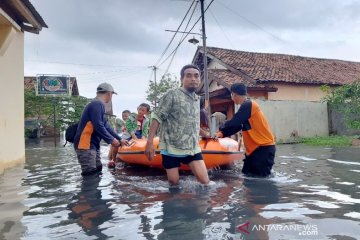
(239, 89)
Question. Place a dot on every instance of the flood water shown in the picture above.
(314, 193)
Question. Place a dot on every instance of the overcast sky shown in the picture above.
(116, 41)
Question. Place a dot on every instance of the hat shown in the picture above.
(105, 87)
(239, 89)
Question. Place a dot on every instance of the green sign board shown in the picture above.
(53, 85)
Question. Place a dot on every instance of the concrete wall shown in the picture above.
(12, 144)
(337, 125)
(296, 92)
(292, 119)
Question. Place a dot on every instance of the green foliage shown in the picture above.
(41, 108)
(154, 93)
(68, 110)
(346, 100)
(331, 141)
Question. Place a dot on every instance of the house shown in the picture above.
(283, 81)
(272, 76)
(16, 18)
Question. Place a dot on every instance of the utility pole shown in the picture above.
(154, 68)
(206, 81)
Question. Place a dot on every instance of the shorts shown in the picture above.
(259, 163)
(174, 161)
(89, 160)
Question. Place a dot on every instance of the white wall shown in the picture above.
(302, 118)
(12, 144)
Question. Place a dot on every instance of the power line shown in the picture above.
(251, 22)
(217, 22)
(167, 47)
(185, 36)
(84, 64)
(182, 38)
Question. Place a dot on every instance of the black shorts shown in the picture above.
(174, 162)
(259, 163)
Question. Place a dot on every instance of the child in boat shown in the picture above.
(121, 130)
(121, 122)
(137, 125)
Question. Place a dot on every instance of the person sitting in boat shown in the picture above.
(204, 120)
(121, 122)
(137, 125)
(178, 116)
(258, 139)
(219, 119)
(120, 128)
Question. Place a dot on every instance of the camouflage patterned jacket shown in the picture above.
(132, 125)
(179, 116)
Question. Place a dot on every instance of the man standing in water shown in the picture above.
(178, 116)
(258, 140)
(93, 127)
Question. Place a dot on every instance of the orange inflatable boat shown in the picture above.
(216, 153)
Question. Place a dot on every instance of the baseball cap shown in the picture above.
(105, 87)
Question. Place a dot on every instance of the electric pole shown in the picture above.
(154, 68)
(206, 81)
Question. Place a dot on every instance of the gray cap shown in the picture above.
(105, 87)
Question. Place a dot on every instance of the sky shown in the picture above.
(117, 41)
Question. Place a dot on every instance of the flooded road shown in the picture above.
(314, 193)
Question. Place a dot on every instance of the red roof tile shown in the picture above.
(226, 78)
(270, 67)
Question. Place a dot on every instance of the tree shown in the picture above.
(346, 100)
(154, 93)
(41, 108)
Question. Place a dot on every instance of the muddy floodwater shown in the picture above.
(314, 193)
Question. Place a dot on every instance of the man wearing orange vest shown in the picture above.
(258, 140)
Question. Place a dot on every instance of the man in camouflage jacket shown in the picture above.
(178, 116)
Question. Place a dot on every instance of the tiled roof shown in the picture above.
(30, 83)
(269, 67)
(226, 78)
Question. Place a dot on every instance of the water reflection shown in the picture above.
(11, 206)
(88, 209)
(312, 186)
(183, 217)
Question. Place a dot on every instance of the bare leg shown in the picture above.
(173, 176)
(114, 151)
(199, 170)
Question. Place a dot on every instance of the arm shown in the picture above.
(145, 130)
(99, 123)
(157, 118)
(235, 124)
(131, 126)
(149, 150)
(112, 132)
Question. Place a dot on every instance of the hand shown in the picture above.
(133, 136)
(124, 142)
(115, 143)
(149, 150)
(219, 134)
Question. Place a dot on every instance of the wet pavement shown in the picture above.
(314, 193)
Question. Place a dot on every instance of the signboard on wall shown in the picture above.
(53, 85)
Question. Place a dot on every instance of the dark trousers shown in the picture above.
(259, 163)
